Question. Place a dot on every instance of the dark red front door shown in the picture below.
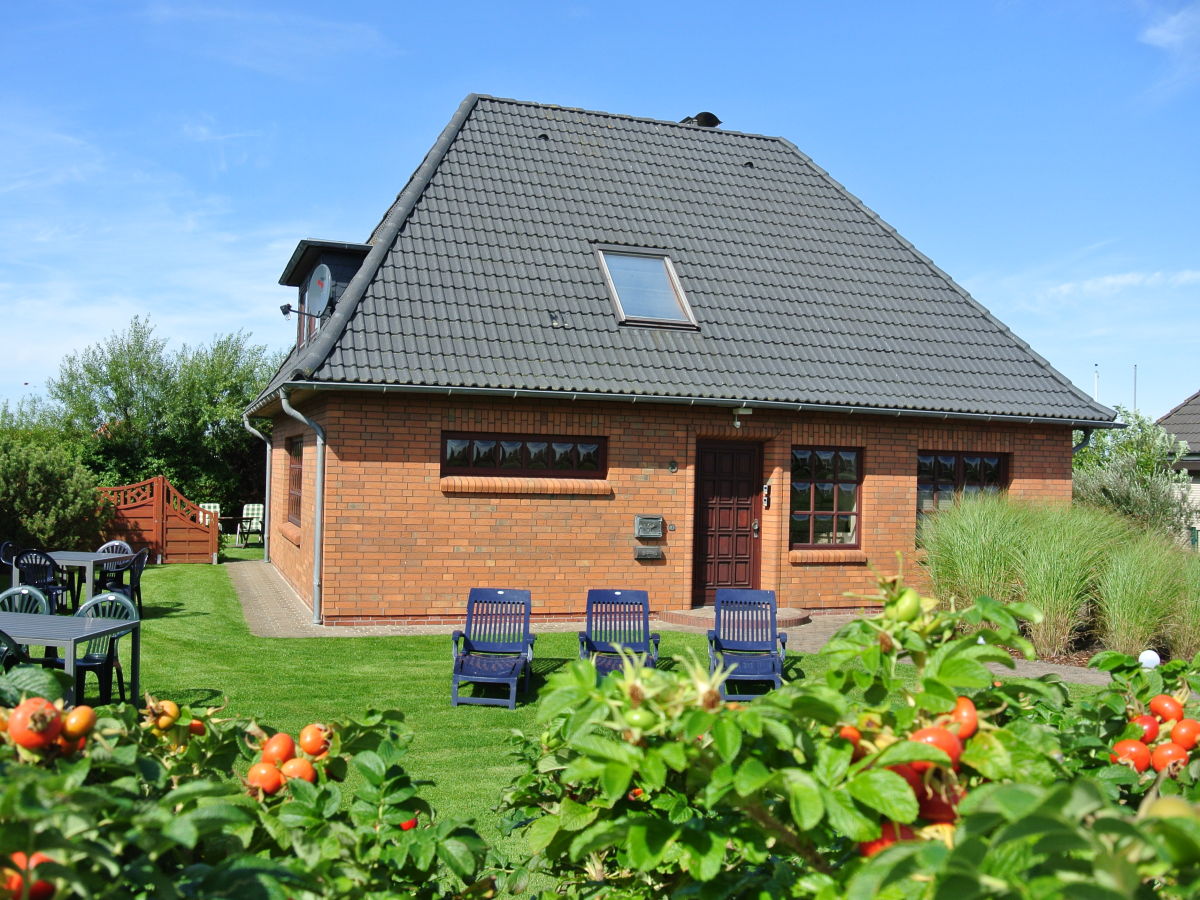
(728, 509)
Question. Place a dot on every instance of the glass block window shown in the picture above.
(826, 486)
(645, 289)
(942, 476)
(295, 452)
(540, 456)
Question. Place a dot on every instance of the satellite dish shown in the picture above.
(316, 295)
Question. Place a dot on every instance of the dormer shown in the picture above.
(321, 270)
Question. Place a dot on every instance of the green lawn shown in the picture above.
(196, 649)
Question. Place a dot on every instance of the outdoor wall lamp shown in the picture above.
(287, 310)
(740, 411)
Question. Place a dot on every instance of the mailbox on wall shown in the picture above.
(647, 526)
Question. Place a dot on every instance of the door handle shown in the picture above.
(754, 527)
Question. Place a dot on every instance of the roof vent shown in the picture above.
(703, 119)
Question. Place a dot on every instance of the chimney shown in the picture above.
(703, 119)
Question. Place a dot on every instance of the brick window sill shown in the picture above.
(290, 533)
(497, 484)
(826, 557)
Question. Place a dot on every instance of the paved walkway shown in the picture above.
(273, 609)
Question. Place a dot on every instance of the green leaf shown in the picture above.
(575, 816)
(33, 681)
(750, 776)
(371, 766)
(804, 798)
(885, 792)
(847, 818)
(648, 842)
(703, 854)
(833, 761)
(987, 755)
(460, 856)
(541, 833)
(728, 738)
(615, 780)
(961, 671)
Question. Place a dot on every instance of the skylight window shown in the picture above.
(645, 288)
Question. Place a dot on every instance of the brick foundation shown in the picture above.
(404, 544)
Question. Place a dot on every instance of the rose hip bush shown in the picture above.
(150, 803)
(928, 779)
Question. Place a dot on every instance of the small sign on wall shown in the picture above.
(647, 526)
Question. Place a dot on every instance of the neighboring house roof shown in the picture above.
(483, 275)
(1184, 422)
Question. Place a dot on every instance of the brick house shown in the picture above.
(590, 350)
(1184, 422)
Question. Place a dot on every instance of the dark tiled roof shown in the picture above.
(802, 294)
(1184, 422)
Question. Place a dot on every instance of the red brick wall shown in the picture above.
(401, 542)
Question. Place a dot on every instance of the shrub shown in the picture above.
(47, 497)
(1156, 500)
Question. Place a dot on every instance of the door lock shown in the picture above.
(754, 527)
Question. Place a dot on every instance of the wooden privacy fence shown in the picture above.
(153, 514)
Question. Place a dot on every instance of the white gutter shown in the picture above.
(319, 503)
(267, 502)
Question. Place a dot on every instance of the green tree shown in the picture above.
(1130, 470)
(133, 409)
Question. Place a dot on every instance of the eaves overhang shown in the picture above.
(729, 402)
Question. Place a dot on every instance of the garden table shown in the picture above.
(80, 560)
(71, 631)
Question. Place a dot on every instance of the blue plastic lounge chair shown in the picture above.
(100, 654)
(496, 647)
(745, 639)
(617, 619)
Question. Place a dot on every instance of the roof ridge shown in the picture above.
(950, 282)
(627, 118)
(1177, 408)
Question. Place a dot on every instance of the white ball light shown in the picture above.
(1149, 659)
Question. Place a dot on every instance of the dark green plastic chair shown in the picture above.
(100, 655)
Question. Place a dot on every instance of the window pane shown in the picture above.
(970, 489)
(801, 465)
(945, 468)
(510, 454)
(589, 457)
(846, 531)
(483, 454)
(457, 452)
(644, 287)
(800, 530)
(822, 529)
(925, 500)
(823, 497)
(539, 454)
(972, 470)
(823, 465)
(991, 469)
(562, 455)
(925, 468)
(847, 465)
(801, 496)
(847, 497)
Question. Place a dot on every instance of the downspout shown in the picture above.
(1087, 439)
(267, 501)
(319, 504)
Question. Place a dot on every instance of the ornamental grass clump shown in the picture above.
(1183, 629)
(1141, 591)
(972, 548)
(1059, 567)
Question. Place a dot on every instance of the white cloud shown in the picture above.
(122, 237)
(289, 45)
(1178, 34)
(1109, 285)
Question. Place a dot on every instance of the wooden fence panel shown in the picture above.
(152, 513)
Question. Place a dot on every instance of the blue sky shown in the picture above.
(163, 158)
